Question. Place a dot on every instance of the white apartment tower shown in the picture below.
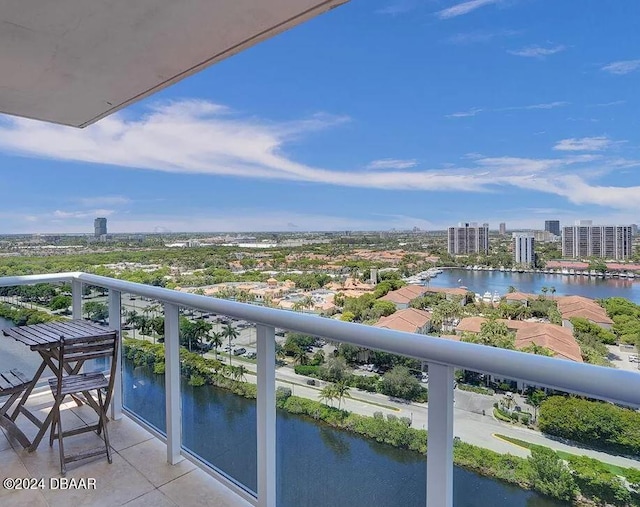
(468, 238)
(524, 249)
(604, 241)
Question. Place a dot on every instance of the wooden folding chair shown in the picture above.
(13, 383)
(73, 353)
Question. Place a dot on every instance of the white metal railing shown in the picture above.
(441, 355)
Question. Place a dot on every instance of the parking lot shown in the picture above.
(624, 359)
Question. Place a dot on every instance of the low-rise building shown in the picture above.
(520, 297)
(409, 320)
(403, 297)
(557, 339)
(578, 306)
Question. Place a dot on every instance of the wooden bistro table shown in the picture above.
(45, 339)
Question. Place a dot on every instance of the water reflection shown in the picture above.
(482, 281)
(335, 441)
(316, 465)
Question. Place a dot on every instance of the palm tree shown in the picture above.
(544, 291)
(132, 319)
(157, 325)
(300, 357)
(298, 306)
(267, 300)
(341, 391)
(202, 328)
(216, 341)
(553, 291)
(231, 333)
(328, 394)
(307, 301)
(238, 372)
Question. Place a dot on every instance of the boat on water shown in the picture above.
(486, 297)
(496, 297)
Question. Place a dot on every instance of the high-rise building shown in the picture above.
(468, 238)
(524, 249)
(552, 226)
(605, 241)
(100, 227)
(503, 228)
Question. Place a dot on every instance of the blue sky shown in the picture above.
(379, 114)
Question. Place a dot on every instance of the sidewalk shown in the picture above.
(469, 426)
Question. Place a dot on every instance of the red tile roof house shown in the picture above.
(558, 339)
(409, 320)
(522, 297)
(578, 306)
(402, 297)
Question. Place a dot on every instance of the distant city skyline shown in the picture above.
(380, 114)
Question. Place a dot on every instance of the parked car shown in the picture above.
(251, 355)
(633, 358)
(239, 351)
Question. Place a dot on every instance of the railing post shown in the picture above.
(76, 299)
(115, 322)
(440, 437)
(172, 382)
(266, 415)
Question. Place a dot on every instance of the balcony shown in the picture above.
(139, 475)
(180, 452)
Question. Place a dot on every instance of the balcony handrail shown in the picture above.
(600, 382)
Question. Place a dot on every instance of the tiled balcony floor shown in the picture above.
(139, 475)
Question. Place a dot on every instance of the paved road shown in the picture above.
(469, 423)
(469, 426)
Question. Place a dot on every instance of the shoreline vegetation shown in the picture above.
(578, 480)
(25, 316)
(583, 481)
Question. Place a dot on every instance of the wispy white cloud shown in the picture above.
(392, 163)
(531, 107)
(105, 200)
(622, 67)
(203, 220)
(466, 114)
(597, 143)
(544, 105)
(398, 7)
(464, 8)
(479, 36)
(82, 214)
(537, 51)
(609, 104)
(201, 138)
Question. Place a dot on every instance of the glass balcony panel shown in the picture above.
(143, 385)
(28, 304)
(318, 457)
(218, 396)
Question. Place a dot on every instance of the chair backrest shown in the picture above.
(75, 351)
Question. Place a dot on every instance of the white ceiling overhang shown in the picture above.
(74, 62)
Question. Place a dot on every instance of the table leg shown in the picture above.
(26, 394)
(9, 425)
